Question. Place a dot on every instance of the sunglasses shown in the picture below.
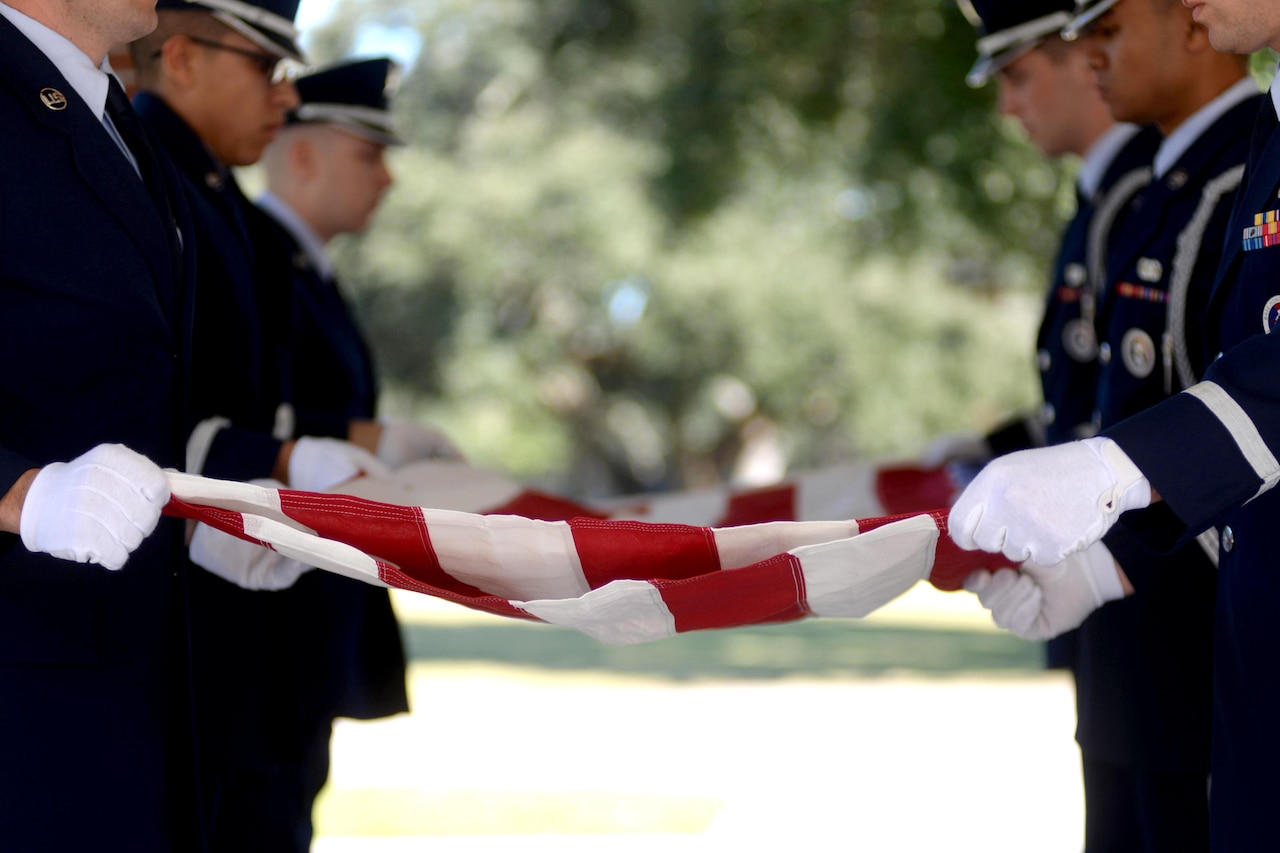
(275, 68)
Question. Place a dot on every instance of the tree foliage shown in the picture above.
(643, 243)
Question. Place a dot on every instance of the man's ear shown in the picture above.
(302, 157)
(178, 64)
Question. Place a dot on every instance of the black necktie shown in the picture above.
(130, 129)
(129, 126)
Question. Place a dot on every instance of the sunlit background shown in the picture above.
(657, 244)
(647, 244)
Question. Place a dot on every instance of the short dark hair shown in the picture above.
(172, 22)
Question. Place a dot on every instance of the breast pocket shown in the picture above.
(1135, 360)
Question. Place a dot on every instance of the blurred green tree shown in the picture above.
(644, 244)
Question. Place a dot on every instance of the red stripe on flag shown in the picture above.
(776, 503)
(769, 591)
(543, 507)
(668, 551)
(913, 490)
(393, 576)
(952, 564)
(866, 525)
(387, 532)
(225, 520)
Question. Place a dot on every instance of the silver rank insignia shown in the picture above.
(1150, 270)
(53, 99)
(1080, 341)
(1138, 352)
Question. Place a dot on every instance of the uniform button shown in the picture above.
(1228, 539)
(1104, 353)
(1049, 414)
(1045, 360)
(1075, 275)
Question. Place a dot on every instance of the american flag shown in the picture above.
(470, 537)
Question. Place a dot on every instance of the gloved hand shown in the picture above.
(1039, 602)
(957, 447)
(402, 442)
(1043, 505)
(243, 563)
(317, 464)
(96, 508)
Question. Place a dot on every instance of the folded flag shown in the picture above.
(849, 490)
(619, 581)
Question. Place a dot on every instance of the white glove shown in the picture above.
(958, 447)
(243, 563)
(96, 508)
(1040, 603)
(402, 442)
(317, 464)
(1042, 505)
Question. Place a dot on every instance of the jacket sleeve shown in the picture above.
(1213, 447)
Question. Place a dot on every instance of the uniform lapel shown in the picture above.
(1256, 195)
(1145, 220)
(53, 104)
(1197, 166)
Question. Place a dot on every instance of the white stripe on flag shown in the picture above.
(437, 483)
(842, 491)
(702, 507)
(742, 546)
(227, 494)
(507, 555)
(853, 577)
(311, 550)
(621, 613)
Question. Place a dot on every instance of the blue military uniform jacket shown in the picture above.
(1161, 271)
(246, 711)
(238, 370)
(1211, 453)
(356, 663)
(1066, 341)
(271, 672)
(1144, 676)
(95, 298)
(331, 371)
(1067, 346)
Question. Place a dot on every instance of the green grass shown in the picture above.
(815, 648)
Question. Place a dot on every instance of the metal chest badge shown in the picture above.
(53, 99)
(1138, 352)
(1080, 341)
(1271, 315)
